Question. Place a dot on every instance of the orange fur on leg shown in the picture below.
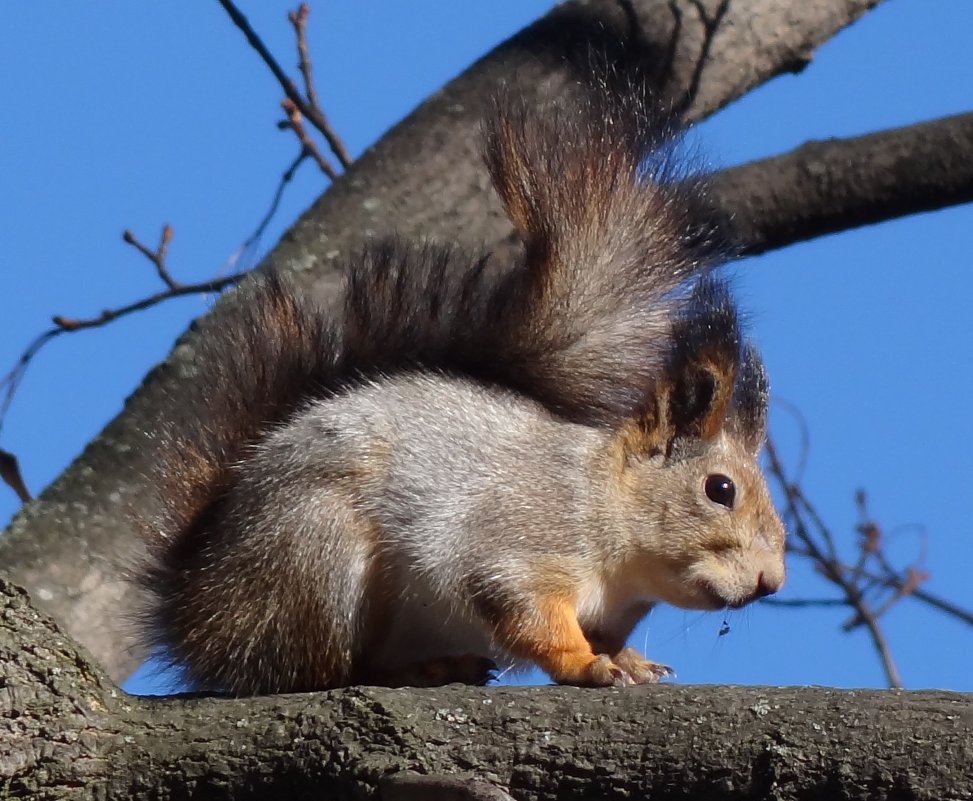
(549, 635)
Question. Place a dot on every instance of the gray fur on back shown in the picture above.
(427, 456)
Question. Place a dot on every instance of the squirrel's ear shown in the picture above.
(701, 377)
(700, 389)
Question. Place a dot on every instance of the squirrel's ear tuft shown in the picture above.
(748, 416)
(508, 160)
(701, 376)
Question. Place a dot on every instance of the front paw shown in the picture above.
(626, 668)
(603, 672)
(640, 670)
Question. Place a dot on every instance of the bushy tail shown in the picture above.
(614, 226)
(612, 231)
(252, 366)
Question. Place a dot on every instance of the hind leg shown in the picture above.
(435, 672)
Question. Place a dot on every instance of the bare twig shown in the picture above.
(826, 551)
(298, 19)
(827, 537)
(309, 108)
(214, 285)
(297, 108)
(803, 602)
(892, 677)
(913, 578)
(870, 550)
(803, 516)
(869, 584)
(257, 44)
(11, 381)
(932, 600)
(158, 256)
(308, 145)
(10, 475)
(285, 179)
(805, 442)
(892, 582)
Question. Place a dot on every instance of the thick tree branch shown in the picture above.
(66, 733)
(837, 184)
(424, 178)
(711, 52)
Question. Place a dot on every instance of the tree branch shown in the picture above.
(308, 145)
(10, 475)
(837, 184)
(178, 290)
(65, 732)
(298, 19)
(63, 324)
(309, 108)
(870, 576)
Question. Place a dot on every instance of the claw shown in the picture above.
(640, 669)
(622, 679)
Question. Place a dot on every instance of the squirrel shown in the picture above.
(460, 466)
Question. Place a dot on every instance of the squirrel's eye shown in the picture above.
(720, 489)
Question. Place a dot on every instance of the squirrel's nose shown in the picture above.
(766, 585)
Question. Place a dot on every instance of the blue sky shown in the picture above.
(129, 115)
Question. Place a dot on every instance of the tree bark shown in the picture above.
(837, 184)
(422, 179)
(66, 733)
